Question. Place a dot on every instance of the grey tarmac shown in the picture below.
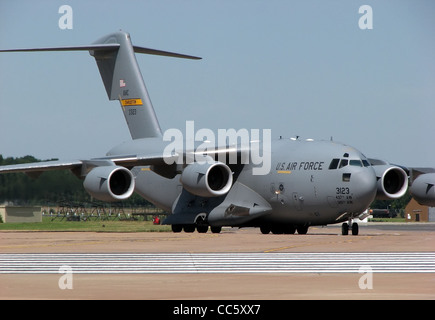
(373, 238)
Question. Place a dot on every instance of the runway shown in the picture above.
(217, 263)
(238, 264)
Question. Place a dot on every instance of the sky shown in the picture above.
(299, 68)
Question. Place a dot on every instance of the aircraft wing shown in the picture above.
(416, 171)
(82, 167)
(40, 166)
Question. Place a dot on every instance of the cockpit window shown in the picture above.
(343, 163)
(356, 163)
(366, 163)
(340, 163)
(334, 164)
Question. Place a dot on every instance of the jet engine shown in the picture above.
(423, 189)
(209, 179)
(109, 183)
(392, 182)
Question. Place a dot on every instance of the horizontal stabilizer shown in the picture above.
(163, 53)
(95, 47)
(106, 47)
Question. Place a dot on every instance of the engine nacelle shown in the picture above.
(423, 189)
(392, 182)
(109, 183)
(207, 179)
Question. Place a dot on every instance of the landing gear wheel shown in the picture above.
(202, 228)
(265, 229)
(216, 229)
(176, 228)
(355, 229)
(302, 229)
(277, 229)
(289, 229)
(345, 229)
(189, 228)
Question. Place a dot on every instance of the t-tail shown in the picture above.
(116, 60)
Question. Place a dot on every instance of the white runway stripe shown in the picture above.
(219, 262)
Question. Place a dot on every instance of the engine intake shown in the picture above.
(109, 183)
(207, 179)
(392, 182)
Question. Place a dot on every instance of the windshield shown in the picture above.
(337, 163)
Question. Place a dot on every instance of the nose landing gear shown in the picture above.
(349, 225)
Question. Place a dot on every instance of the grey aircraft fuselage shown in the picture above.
(302, 187)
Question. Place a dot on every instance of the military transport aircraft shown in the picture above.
(307, 183)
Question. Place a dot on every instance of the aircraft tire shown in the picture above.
(345, 229)
(289, 229)
(302, 229)
(265, 229)
(277, 230)
(176, 228)
(202, 228)
(216, 229)
(189, 228)
(355, 229)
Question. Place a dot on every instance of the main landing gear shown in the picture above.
(349, 225)
(189, 228)
(283, 229)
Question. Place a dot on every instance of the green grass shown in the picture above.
(397, 219)
(99, 225)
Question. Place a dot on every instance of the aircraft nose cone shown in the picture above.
(364, 188)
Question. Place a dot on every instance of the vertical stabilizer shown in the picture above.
(116, 60)
(123, 81)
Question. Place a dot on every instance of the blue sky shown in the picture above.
(297, 67)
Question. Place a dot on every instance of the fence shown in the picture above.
(102, 211)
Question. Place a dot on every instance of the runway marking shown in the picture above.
(172, 263)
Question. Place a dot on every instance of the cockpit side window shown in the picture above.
(334, 164)
(366, 163)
